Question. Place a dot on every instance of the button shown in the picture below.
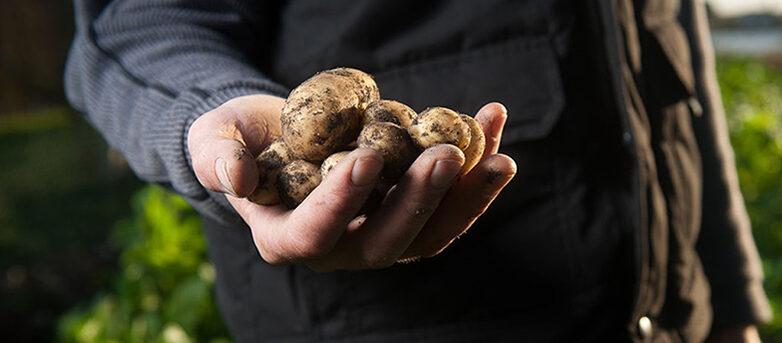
(645, 327)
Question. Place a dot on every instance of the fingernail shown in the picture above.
(365, 171)
(221, 169)
(444, 172)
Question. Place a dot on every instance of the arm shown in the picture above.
(726, 247)
(143, 71)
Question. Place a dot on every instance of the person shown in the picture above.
(623, 222)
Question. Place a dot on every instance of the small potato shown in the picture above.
(325, 113)
(474, 151)
(389, 111)
(439, 125)
(269, 163)
(296, 181)
(394, 144)
(330, 162)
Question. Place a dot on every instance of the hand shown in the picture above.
(738, 334)
(420, 217)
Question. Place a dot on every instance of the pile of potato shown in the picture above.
(340, 109)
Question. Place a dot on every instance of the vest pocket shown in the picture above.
(522, 73)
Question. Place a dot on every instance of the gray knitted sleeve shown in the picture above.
(142, 71)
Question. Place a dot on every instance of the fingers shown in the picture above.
(492, 118)
(264, 222)
(386, 234)
(223, 142)
(314, 227)
(465, 202)
(220, 163)
(414, 219)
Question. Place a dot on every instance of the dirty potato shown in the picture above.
(269, 163)
(439, 125)
(366, 86)
(296, 181)
(394, 144)
(389, 111)
(325, 113)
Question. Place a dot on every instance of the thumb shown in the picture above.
(221, 159)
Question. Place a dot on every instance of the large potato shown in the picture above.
(389, 111)
(367, 88)
(474, 152)
(296, 181)
(439, 125)
(394, 144)
(325, 113)
(269, 163)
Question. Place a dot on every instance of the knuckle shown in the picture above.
(334, 202)
(415, 209)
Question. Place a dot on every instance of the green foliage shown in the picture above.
(54, 215)
(752, 92)
(164, 293)
(44, 119)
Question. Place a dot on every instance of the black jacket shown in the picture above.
(614, 120)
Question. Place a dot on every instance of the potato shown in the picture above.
(389, 111)
(325, 112)
(368, 89)
(296, 181)
(330, 162)
(439, 125)
(474, 151)
(394, 144)
(269, 163)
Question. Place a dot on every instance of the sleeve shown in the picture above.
(726, 247)
(142, 71)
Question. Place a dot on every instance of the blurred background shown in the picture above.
(88, 253)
